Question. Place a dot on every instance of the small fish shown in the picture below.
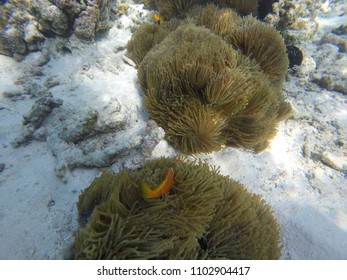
(157, 18)
(162, 188)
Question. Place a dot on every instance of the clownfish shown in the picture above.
(157, 18)
(162, 188)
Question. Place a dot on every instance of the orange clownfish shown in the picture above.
(162, 188)
(157, 18)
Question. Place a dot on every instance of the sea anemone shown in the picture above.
(178, 8)
(204, 215)
(212, 79)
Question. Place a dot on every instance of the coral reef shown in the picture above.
(91, 138)
(295, 19)
(203, 216)
(94, 18)
(212, 79)
(329, 62)
(26, 24)
(50, 18)
(42, 107)
(13, 21)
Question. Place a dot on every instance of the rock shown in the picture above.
(335, 162)
(40, 134)
(103, 22)
(85, 24)
(303, 29)
(51, 82)
(94, 137)
(33, 38)
(295, 19)
(70, 7)
(119, 49)
(341, 87)
(40, 110)
(326, 107)
(83, 129)
(93, 19)
(331, 83)
(42, 107)
(306, 68)
(128, 61)
(24, 25)
(2, 167)
(13, 17)
(339, 41)
(326, 82)
(43, 58)
(35, 90)
(52, 20)
(23, 139)
(328, 72)
(12, 41)
(341, 30)
(153, 135)
(306, 149)
(15, 95)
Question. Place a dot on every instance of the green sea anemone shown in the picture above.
(212, 79)
(178, 8)
(204, 215)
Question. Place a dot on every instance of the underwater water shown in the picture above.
(73, 103)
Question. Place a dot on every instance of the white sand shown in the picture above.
(38, 208)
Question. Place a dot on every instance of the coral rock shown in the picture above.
(50, 17)
(11, 41)
(94, 18)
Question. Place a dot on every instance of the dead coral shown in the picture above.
(32, 121)
(203, 216)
